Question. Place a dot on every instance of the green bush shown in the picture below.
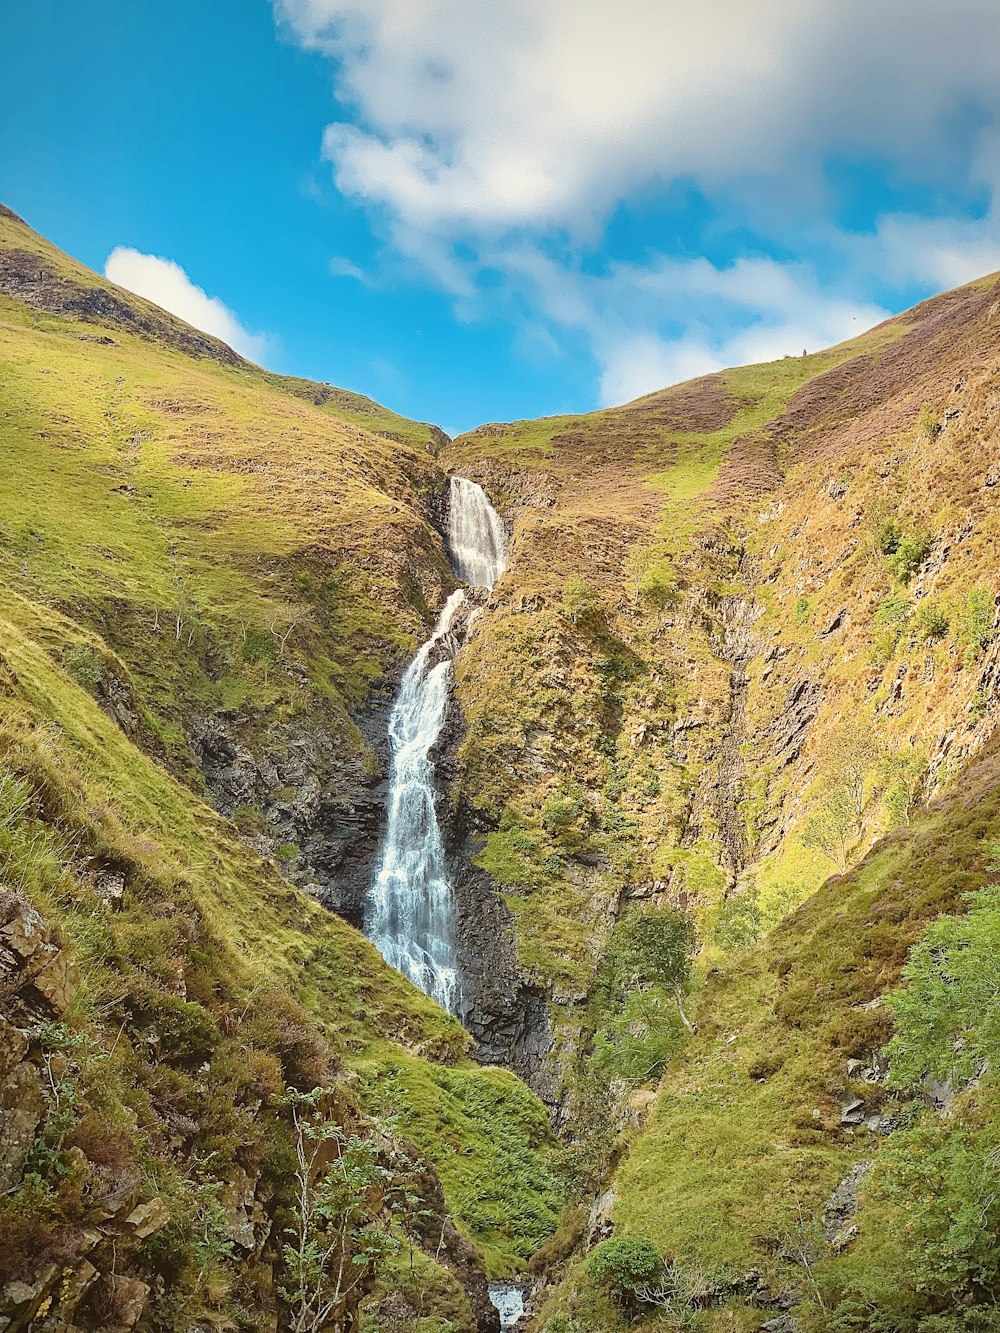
(802, 609)
(927, 423)
(907, 556)
(626, 1266)
(890, 622)
(976, 623)
(948, 1013)
(259, 646)
(931, 622)
(888, 537)
(653, 945)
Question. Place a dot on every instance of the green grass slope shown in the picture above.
(184, 535)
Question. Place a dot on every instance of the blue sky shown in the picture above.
(487, 211)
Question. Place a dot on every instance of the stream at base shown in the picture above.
(508, 1297)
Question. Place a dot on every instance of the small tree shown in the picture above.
(580, 600)
(836, 821)
(654, 946)
(338, 1238)
(832, 829)
(903, 774)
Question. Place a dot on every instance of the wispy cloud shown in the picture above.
(164, 282)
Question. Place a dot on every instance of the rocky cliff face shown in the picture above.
(81, 1277)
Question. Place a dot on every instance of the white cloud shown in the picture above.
(165, 283)
(752, 310)
(342, 267)
(642, 363)
(501, 137)
(516, 113)
(940, 252)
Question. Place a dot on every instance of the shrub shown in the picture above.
(627, 1266)
(976, 623)
(83, 664)
(948, 1014)
(931, 622)
(891, 621)
(978, 705)
(907, 557)
(259, 646)
(888, 537)
(927, 423)
(802, 609)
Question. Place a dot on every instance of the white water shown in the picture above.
(509, 1300)
(475, 537)
(409, 911)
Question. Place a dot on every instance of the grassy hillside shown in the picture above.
(207, 515)
(184, 537)
(728, 759)
(746, 631)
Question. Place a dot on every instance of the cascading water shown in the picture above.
(409, 911)
(475, 537)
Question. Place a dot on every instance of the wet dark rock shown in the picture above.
(305, 789)
(852, 1111)
(842, 1205)
(504, 1009)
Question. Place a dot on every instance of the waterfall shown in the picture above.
(409, 911)
(475, 537)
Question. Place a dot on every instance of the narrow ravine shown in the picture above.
(410, 909)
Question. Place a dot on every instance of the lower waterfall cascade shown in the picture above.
(409, 912)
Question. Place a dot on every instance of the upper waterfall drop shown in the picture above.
(409, 912)
(475, 535)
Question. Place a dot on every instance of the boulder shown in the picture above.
(145, 1218)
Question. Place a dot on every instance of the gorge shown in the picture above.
(681, 710)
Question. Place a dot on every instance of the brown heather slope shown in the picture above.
(747, 628)
(735, 575)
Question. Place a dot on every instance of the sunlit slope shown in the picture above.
(748, 632)
(697, 604)
(185, 538)
(237, 542)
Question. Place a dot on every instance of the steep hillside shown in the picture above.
(747, 629)
(719, 799)
(210, 579)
